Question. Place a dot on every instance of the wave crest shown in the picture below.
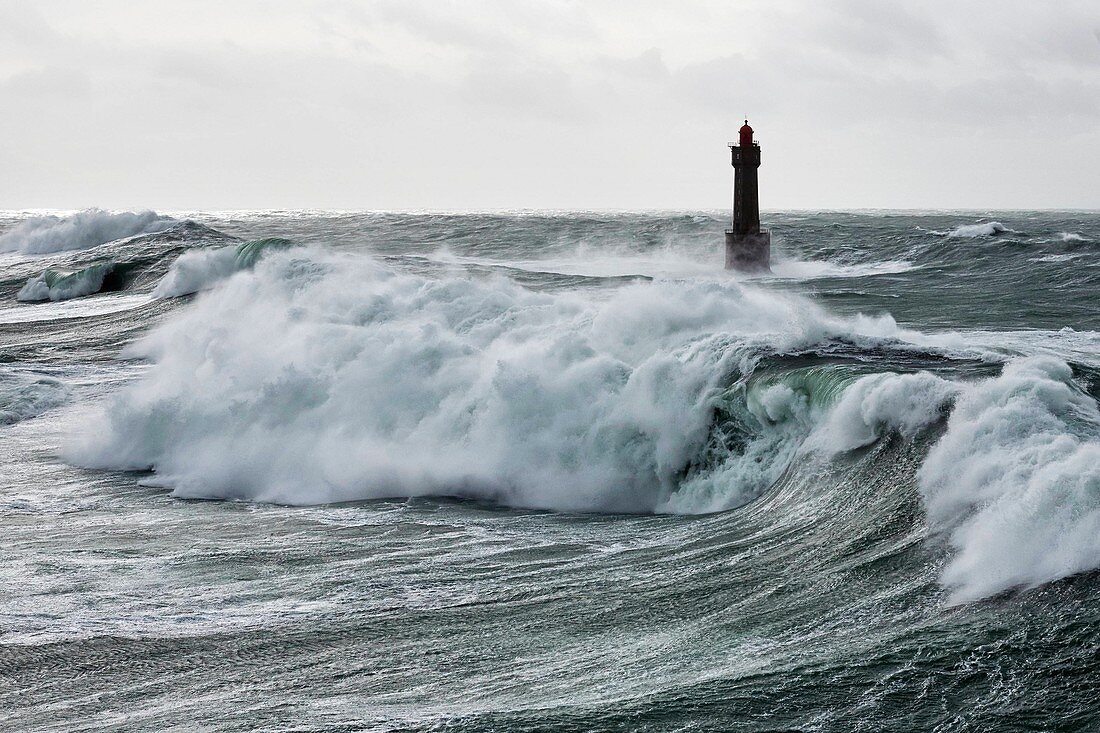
(83, 230)
(971, 231)
(1015, 481)
(59, 284)
(326, 378)
(315, 378)
(881, 403)
(201, 269)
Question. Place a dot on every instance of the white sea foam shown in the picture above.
(662, 263)
(971, 231)
(669, 263)
(324, 378)
(317, 377)
(880, 403)
(196, 270)
(50, 311)
(201, 269)
(1068, 256)
(783, 417)
(1071, 237)
(1080, 347)
(812, 269)
(90, 228)
(1015, 481)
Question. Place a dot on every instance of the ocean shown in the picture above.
(549, 471)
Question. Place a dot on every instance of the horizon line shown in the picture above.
(544, 210)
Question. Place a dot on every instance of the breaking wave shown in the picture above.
(59, 284)
(1015, 481)
(317, 378)
(83, 230)
(350, 381)
(811, 269)
(201, 269)
(971, 231)
(196, 270)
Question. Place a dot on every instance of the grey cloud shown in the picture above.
(47, 82)
(499, 103)
(646, 66)
(525, 90)
(443, 24)
(201, 69)
(22, 25)
(872, 29)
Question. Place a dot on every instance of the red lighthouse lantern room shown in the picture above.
(746, 135)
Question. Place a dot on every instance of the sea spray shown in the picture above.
(881, 403)
(196, 270)
(973, 231)
(200, 269)
(1015, 481)
(319, 378)
(85, 229)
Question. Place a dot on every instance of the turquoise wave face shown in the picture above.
(249, 253)
(58, 284)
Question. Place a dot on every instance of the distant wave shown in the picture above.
(73, 309)
(1071, 237)
(90, 228)
(200, 269)
(196, 270)
(1064, 257)
(811, 269)
(669, 263)
(24, 395)
(58, 284)
(180, 260)
(971, 231)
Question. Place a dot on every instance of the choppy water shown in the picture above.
(549, 472)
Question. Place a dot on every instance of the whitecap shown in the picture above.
(82, 230)
(318, 378)
(1014, 483)
(983, 229)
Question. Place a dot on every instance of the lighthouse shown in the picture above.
(747, 247)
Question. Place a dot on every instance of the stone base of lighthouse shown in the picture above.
(749, 252)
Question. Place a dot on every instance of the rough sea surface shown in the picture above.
(549, 471)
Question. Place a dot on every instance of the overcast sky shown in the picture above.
(488, 104)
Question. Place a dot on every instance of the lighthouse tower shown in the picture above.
(747, 247)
